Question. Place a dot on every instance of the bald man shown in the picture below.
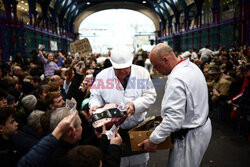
(184, 109)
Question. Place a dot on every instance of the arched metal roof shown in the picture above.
(68, 10)
(64, 12)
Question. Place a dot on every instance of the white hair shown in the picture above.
(33, 119)
(58, 115)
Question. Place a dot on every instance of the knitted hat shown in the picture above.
(29, 102)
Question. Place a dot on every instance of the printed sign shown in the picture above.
(82, 47)
(53, 46)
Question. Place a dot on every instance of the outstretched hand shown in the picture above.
(80, 68)
(116, 139)
(98, 134)
(130, 108)
(93, 109)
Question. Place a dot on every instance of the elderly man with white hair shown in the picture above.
(128, 84)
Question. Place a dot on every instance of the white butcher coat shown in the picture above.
(185, 105)
(140, 90)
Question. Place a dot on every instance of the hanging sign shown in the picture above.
(53, 46)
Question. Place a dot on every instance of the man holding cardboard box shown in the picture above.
(130, 85)
(184, 109)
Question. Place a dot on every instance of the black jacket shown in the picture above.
(9, 156)
(74, 90)
(25, 139)
(39, 154)
(111, 153)
(59, 157)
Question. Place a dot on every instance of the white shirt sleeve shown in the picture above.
(148, 96)
(173, 111)
(95, 96)
(215, 52)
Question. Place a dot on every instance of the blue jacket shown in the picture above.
(60, 62)
(40, 153)
(25, 139)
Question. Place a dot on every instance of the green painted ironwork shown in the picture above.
(189, 41)
(13, 42)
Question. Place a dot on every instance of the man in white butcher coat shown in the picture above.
(184, 109)
(128, 84)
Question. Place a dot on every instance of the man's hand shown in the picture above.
(130, 108)
(83, 86)
(64, 125)
(80, 68)
(116, 139)
(99, 135)
(73, 63)
(86, 84)
(215, 92)
(148, 146)
(93, 109)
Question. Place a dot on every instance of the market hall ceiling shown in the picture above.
(65, 12)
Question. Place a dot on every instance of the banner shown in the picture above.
(82, 47)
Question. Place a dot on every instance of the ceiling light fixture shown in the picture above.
(144, 1)
(22, 1)
(88, 3)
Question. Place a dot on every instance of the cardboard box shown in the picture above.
(143, 131)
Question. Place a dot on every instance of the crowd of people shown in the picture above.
(33, 113)
(227, 76)
(37, 129)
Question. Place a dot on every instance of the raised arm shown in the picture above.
(40, 55)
